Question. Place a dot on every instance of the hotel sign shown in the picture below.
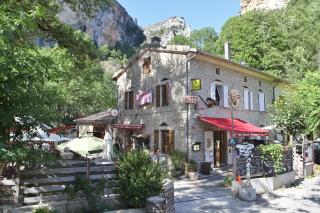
(190, 99)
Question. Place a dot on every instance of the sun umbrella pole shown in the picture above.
(88, 167)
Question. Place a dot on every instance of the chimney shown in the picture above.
(227, 50)
(155, 41)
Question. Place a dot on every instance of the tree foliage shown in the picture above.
(203, 39)
(298, 110)
(281, 42)
(49, 83)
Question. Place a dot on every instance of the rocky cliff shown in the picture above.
(248, 5)
(167, 29)
(110, 25)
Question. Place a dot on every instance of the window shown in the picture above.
(128, 100)
(261, 100)
(248, 99)
(164, 140)
(218, 71)
(162, 95)
(147, 65)
(245, 79)
(219, 94)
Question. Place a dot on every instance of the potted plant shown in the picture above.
(191, 170)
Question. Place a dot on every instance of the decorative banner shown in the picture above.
(190, 99)
(196, 84)
(144, 97)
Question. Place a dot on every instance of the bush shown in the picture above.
(44, 210)
(92, 192)
(273, 152)
(191, 166)
(179, 159)
(139, 178)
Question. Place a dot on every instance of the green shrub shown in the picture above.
(273, 152)
(139, 177)
(92, 192)
(179, 159)
(191, 166)
(227, 181)
(44, 210)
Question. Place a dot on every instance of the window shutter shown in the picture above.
(165, 94)
(125, 100)
(213, 90)
(225, 96)
(246, 99)
(251, 100)
(156, 139)
(261, 99)
(158, 95)
(131, 99)
(171, 141)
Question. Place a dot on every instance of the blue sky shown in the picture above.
(199, 13)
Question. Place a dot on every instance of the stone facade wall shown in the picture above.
(164, 65)
(206, 72)
(173, 66)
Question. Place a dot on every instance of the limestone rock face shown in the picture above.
(167, 29)
(111, 25)
(248, 5)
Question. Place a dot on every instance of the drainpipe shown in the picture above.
(187, 93)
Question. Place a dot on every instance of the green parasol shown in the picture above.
(82, 145)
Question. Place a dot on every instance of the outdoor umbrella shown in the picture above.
(82, 145)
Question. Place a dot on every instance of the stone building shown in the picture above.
(95, 125)
(176, 97)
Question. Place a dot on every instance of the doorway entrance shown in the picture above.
(220, 148)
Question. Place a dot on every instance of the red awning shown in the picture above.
(128, 126)
(240, 127)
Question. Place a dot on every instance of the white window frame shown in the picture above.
(223, 91)
(248, 99)
(262, 101)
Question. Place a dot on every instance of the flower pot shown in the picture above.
(192, 175)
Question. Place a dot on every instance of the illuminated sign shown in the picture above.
(196, 84)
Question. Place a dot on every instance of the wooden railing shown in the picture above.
(48, 183)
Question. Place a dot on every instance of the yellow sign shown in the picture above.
(196, 84)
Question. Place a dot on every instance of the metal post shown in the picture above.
(234, 159)
(88, 167)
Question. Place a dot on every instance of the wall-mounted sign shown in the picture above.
(196, 84)
(196, 147)
(233, 141)
(190, 99)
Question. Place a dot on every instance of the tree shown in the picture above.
(298, 110)
(203, 39)
(282, 42)
(45, 84)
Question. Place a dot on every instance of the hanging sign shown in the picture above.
(234, 98)
(190, 99)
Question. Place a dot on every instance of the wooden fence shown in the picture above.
(48, 184)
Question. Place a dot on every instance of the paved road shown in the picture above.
(205, 196)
